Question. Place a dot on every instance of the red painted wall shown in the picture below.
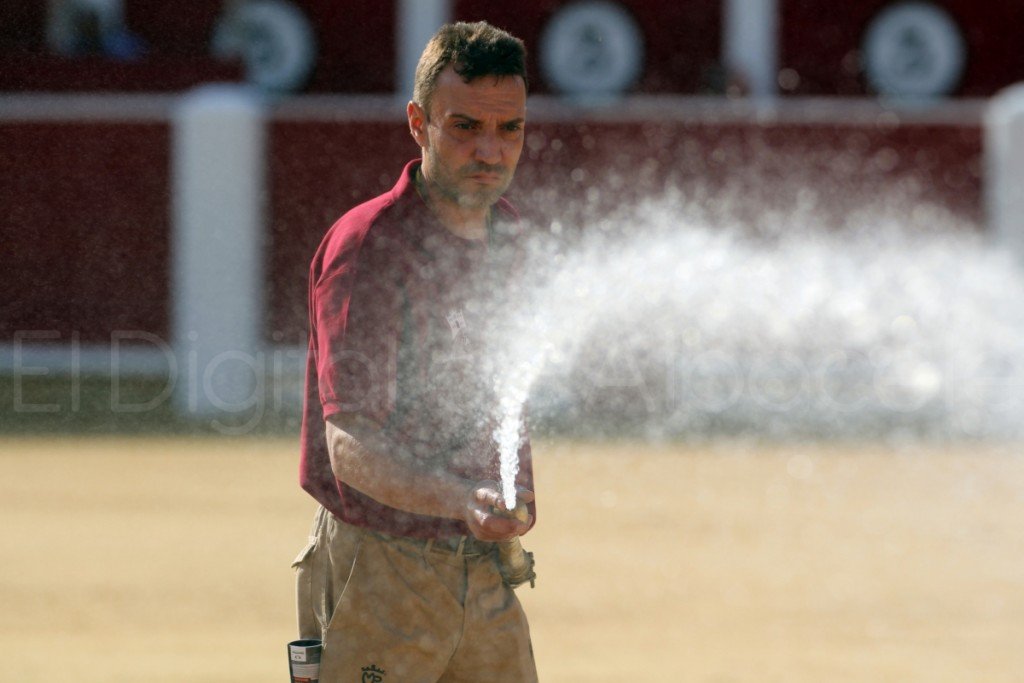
(821, 41)
(174, 28)
(177, 36)
(22, 26)
(85, 228)
(355, 39)
(356, 42)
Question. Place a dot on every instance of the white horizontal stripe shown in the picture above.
(99, 359)
(542, 108)
(132, 108)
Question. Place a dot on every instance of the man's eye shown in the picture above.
(513, 127)
(464, 126)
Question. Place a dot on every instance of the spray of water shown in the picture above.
(891, 327)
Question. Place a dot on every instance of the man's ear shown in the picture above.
(417, 123)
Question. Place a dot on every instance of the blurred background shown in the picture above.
(167, 171)
(748, 110)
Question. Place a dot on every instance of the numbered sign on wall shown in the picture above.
(274, 40)
(914, 49)
(592, 48)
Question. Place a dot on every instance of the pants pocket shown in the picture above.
(310, 581)
(344, 545)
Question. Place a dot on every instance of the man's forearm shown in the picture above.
(365, 459)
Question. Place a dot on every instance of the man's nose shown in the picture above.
(488, 148)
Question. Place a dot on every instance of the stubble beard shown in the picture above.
(446, 184)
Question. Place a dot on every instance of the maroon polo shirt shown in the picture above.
(398, 311)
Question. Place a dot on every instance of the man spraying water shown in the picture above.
(414, 550)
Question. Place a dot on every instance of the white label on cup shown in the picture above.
(306, 670)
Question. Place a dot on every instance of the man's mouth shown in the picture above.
(485, 173)
(486, 178)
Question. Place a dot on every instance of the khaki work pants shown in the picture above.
(399, 611)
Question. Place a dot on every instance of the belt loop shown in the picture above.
(427, 546)
(462, 546)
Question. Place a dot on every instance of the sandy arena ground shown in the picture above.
(167, 560)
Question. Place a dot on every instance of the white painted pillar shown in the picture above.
(217, 249)
(418, 21)
(1004, 168)
(750, 44)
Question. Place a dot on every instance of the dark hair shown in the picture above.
(473, 50)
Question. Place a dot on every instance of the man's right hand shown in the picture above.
(488, 518)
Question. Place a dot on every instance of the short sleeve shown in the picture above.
(357, 311)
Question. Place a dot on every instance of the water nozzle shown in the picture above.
(514, 562)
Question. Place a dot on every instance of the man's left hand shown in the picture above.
(489, 519)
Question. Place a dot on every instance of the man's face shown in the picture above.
(472, 137)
